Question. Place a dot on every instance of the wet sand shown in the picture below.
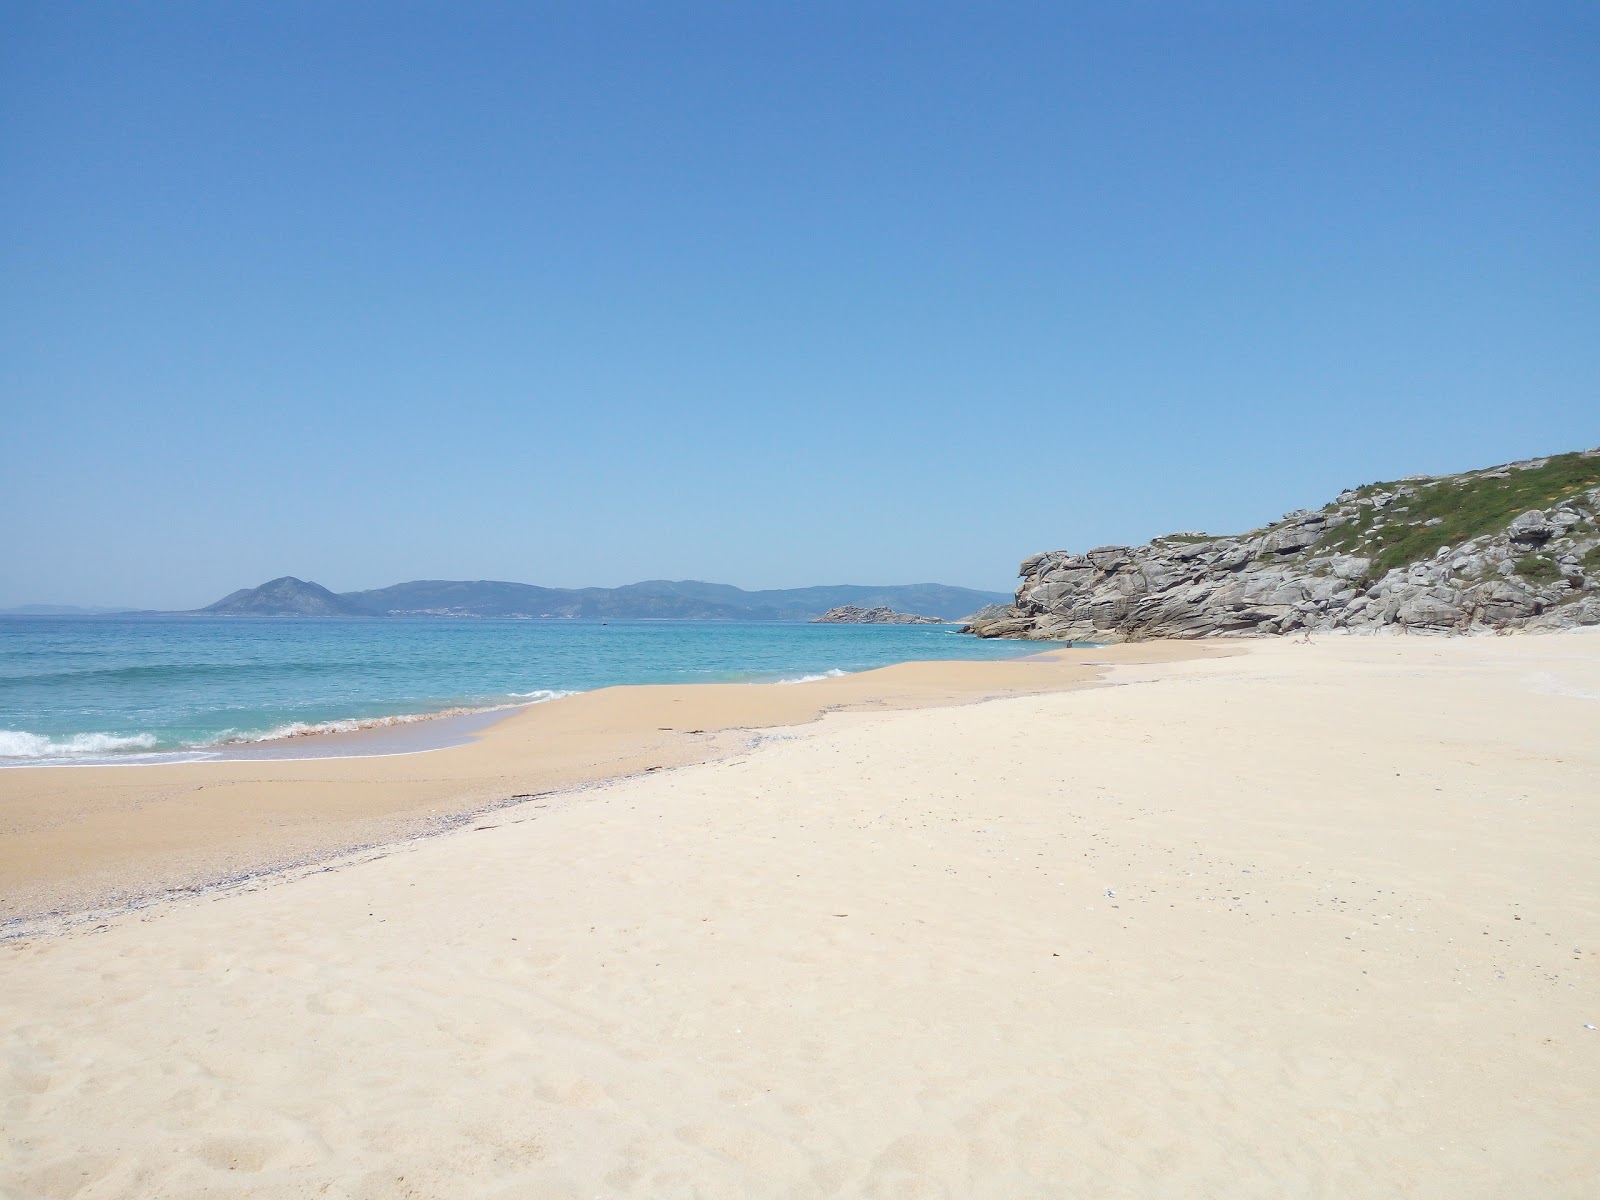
(95, 837)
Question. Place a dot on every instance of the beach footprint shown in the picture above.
(336, 1004)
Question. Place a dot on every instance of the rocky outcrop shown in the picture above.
(989, 612)
(849, 614)
(1512, 547)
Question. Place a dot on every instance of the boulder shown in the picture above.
(1531, 528)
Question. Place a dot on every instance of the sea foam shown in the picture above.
(297, 729)
(17, 743)
(833, 674)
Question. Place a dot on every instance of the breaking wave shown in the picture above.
(19, 746)
(833, 674)
(17, 743)
(295, 729)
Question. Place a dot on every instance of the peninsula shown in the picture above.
(851, 614)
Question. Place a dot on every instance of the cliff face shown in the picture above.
(1511, 547)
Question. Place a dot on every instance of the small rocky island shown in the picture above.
(1510, 547)
(850, 614)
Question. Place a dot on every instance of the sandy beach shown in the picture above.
(79, 838)
(1273, 920)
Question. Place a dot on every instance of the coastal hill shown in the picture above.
(285, 597)
(656, 598)
(1510, 547)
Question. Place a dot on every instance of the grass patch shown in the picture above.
(1591, 560)
(1466, 508)
(1537, 570)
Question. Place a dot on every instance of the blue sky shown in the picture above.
(769, 294)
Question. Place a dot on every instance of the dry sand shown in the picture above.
(1302, 921)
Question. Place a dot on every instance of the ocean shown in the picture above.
(152, 689)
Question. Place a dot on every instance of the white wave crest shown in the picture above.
(835, 673)
(16, 743)
(19, 746)
(296, 729)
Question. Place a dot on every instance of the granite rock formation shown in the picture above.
(989, 612)
(1507, 548)
(850, 614)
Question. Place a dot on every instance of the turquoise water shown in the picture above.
(86, 690)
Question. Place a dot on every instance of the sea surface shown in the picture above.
(155, 689)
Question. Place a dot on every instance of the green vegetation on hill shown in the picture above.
(1465, 506)
(1537, 570)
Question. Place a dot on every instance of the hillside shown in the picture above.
(285, 597)
(1509, 547)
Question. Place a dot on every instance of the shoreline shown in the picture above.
(108, 742)
(374, 737)
(116, 836)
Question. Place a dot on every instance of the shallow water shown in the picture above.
(131, 689)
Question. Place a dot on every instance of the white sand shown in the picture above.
(1349, 953)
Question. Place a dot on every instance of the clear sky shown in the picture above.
(767, 294)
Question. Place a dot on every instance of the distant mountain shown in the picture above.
(933, 599)
(286, 597)
(690, 600)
